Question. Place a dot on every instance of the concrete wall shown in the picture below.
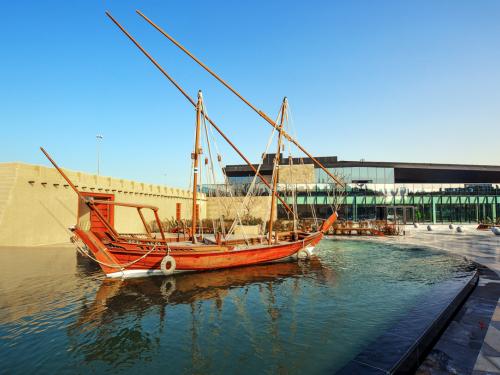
(257, 207)
(297, 174)
(37, 206)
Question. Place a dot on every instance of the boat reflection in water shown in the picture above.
(195, 315)
(60, 316)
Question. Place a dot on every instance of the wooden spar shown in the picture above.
(196, 59)
(144, 223)
(123, 204)
(183, 92)
(63, 174)
(195, 158)
(259, 112)
(159, 225)
(101, 218)
(276, 169)
(91, 203)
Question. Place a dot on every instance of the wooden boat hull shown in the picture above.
(187, 259)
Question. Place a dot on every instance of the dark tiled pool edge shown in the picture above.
(458, 347)
(410, 339)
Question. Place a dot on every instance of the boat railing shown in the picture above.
(92, 202)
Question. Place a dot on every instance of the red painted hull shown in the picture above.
(188, 258)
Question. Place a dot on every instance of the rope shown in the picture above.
(120, 267)
(210, 166)
(337, 195)
(311, 205)
(254, 180)
(289, 128)
(226, 181)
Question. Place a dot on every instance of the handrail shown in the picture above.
(124, 204)
(139, 207)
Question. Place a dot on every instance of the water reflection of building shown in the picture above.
(423, 191)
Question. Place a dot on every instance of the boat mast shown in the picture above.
(184, 93)
(195, 157)
(276, 170)
(259, 112)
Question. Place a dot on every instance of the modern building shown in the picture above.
(421, 192)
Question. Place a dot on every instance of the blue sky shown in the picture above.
(415, 81)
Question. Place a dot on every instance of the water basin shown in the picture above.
(59, 315)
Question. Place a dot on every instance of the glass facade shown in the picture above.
(357, 175)
(245, 180)
(433, 203)
(371, 193)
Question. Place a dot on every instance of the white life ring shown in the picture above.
(168, 265)
(302, 254)
(167, 287)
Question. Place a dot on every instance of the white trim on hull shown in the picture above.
(126, 274)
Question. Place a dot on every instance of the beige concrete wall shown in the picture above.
(297, 174)
(37, 206)
(257, 207)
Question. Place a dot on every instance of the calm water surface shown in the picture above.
(59, 315)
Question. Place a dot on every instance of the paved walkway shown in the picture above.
(488, 361)
(480, 246)
(471, 343)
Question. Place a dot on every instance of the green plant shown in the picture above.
(251, 220)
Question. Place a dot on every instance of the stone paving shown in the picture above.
(480, 246)
(488, 361)
(471, 343)
(459, 346)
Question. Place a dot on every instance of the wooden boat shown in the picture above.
(123, 255)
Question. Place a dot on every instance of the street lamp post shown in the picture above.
(98, 138)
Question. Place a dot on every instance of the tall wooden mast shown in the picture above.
(193, 103)
(195, 157)
(258, 111)
(276, 169)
